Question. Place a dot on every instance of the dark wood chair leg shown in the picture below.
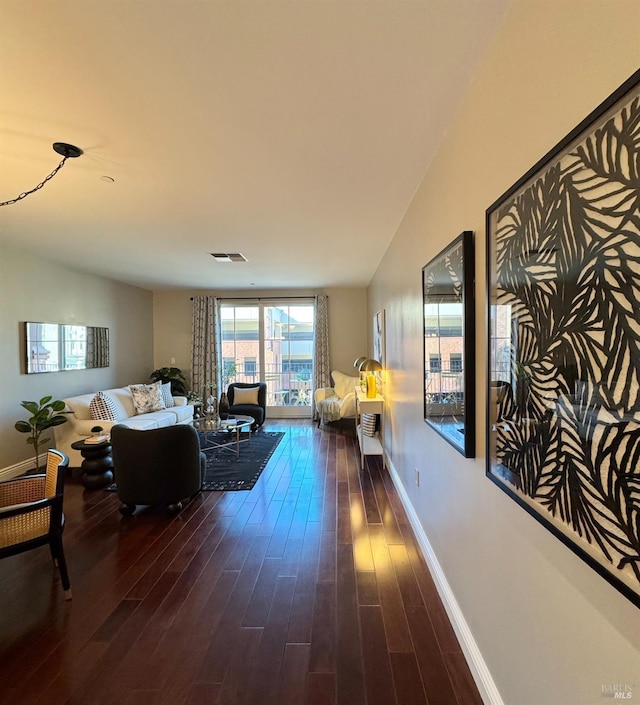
(57, 552)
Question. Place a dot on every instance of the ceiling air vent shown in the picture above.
(228, 257)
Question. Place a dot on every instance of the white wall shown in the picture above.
(550, 630)
(35, 289)
(348, 323)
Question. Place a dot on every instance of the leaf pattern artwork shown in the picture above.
(565, 342)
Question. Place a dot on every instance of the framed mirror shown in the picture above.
(449, 344)
(54, 347)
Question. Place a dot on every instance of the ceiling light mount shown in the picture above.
(67, 151)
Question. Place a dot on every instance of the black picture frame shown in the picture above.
(449, 344)
(563, 297)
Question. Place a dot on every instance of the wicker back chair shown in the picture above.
(31, 514)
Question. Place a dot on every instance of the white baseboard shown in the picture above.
(481, 675)
(17, 469)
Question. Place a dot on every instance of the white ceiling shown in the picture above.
(295, 132)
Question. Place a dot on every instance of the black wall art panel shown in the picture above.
(563, 259)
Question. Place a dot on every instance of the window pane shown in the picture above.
(288, 354)
(240, 342)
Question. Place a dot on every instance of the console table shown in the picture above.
(369, 445)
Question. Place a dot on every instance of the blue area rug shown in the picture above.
(226, 472)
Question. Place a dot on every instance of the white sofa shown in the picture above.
(80, 423)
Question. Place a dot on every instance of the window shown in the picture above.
(271, 341)
(455, 362)
(250, 367)
(434, 363)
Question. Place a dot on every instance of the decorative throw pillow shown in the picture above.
(167, 397)
(368, 423)
(245, 395)
(102, 407)
(146, 397)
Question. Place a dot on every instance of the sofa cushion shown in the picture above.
(161, 419)
(245, 395)
(102, 407)
(144, 422)
(167, 397)
(147, 397)
(123, 401)
(181, 413)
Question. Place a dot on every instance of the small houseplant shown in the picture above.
(173, 375)
(44, 415)
(194, 398)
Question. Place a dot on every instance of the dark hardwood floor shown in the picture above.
(308, 590)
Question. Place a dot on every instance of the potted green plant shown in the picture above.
(173, 375)
(194, 398)
(44, 415)
(229, 370)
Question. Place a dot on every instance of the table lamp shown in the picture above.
(357, 362)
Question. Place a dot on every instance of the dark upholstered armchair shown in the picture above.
(157, 466)
(249, 399)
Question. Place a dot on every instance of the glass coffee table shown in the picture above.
(234, 431)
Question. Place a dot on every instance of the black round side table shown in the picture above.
(97, 464)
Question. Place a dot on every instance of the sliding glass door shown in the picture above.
(271, 341)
